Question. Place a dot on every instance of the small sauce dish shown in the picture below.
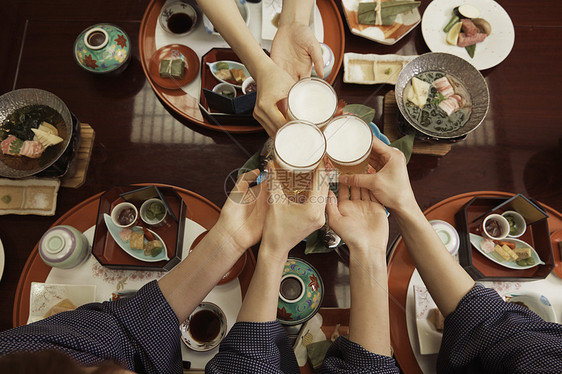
(495, 227)
(249, 85)
(448, 235)
(517, 223)
(124, 215)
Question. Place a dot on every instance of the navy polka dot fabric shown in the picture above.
(487, 335)
(141, 332)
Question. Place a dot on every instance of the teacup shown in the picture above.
(124, 215)
(205, 328)
(178, 18)
(495, 227)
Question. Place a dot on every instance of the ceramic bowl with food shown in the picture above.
(178, 18)
(153, 212)
(495, 227)
(35, 130)
(442, 95)
(517, 223)
(124, 215)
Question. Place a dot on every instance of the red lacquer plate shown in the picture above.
(169, 52)
(186, 105)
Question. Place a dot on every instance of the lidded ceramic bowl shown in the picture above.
(64, 247)
(300, 293)
(102, 48)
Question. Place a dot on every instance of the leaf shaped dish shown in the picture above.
(477, 239)
(214, 67)
(136, 253)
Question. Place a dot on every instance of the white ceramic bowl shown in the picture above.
(244, 12)
(247, 83)
(116, 211)
(535, 301)
(225, 89)
(503, 226)
(152, 221)
(518, 220)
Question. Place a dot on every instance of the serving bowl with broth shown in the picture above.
(467, 83)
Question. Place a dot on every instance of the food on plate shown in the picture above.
(153, 248)
(172, 68)
(28, 132)
(487, 245)
(437, 319)
(505, 242)
(522, 253)
(493, 228)
(125, 235)
(505, 252)
(136, 240)
(372, 68)
(465, 29)
(437, 101)
(526, 262)
(238, 75)
(513, 229)
(383, 12)
(224, 74)
(62, 306)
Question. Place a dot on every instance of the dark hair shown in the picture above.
(47, 362)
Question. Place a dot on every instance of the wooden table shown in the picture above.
(518, 148)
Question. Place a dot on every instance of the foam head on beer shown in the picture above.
(313, 100)
(349, 141)
(299, 145)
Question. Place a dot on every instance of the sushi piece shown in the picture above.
(466, 40)
(444, 87)
(16, 147)
(451, 105)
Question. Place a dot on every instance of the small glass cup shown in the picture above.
(313, 100)
(349, 141)
(298, 148)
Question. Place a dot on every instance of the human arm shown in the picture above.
(238, 228)
(273, 82)
(445, 279)
(362, 224)
(295, 47)
(257, 342)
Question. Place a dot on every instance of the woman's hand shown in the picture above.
(295, 49)
(273, 85)
(358, 218)
(390, 184)
(287, 222)
(243, 215)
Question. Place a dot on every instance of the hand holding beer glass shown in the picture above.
(298, 148)
(349, 141)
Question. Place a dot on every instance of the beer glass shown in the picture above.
(349, 140)
(298, 148)
(313, 100)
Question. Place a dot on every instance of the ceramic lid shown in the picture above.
(57, 245)
(102, 48)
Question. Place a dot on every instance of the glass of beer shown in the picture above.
(298, 148)
(313, 100)
(349, 140)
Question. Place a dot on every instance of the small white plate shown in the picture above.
(231, 65)
(493, 50)
(388, 35)
(535, 301)
(357, 67)
(136, 253)
(271, 9)
(477, 239)
(43, 297)
(428, 336)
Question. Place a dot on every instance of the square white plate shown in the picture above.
(44, 296)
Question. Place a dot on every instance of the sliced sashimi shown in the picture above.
(16, 147)
(468, 27)
(444, 87)
(465, 40)
(451, 105)
(32, 149)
